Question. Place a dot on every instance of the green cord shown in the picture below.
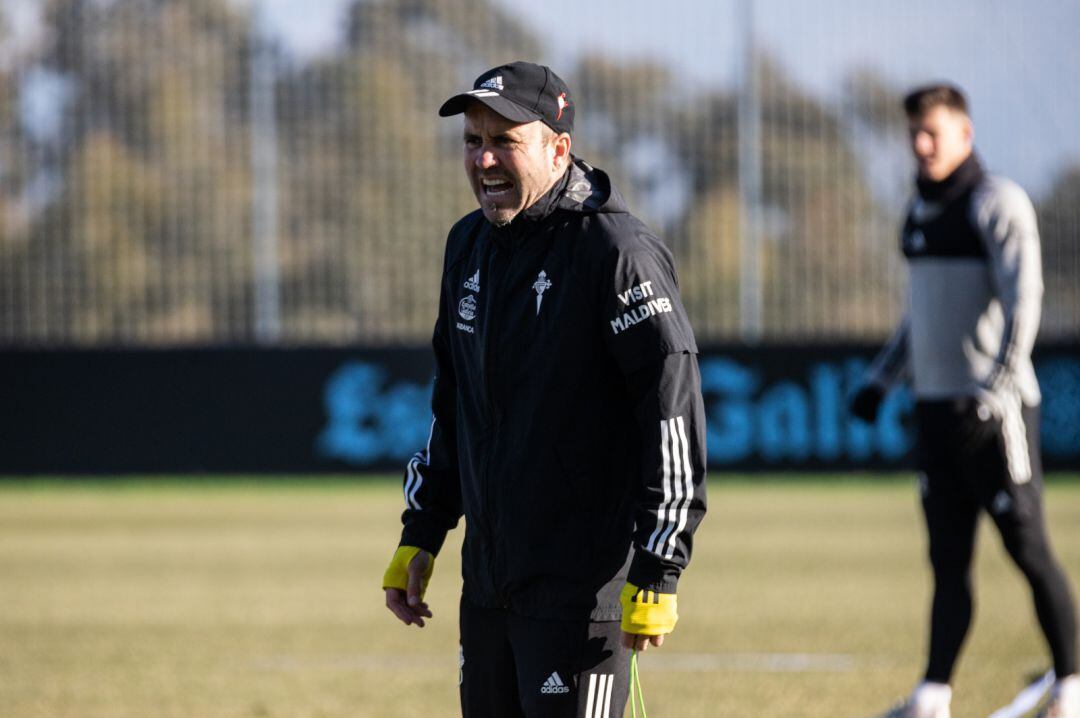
(635, 682)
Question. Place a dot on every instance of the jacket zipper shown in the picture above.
(491, 336)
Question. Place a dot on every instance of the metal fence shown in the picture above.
(212, 172)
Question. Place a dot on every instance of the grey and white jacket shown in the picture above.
(974, 302)
(974, 294)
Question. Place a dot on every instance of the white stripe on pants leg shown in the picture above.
(607, 696)
(600, 689)
(1017, 455)
(592, 696)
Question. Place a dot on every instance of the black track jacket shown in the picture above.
(568, 424)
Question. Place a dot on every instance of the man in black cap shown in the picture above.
(568, 423)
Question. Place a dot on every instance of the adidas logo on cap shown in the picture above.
(521, 92)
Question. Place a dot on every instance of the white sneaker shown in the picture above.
(1064, 699)
(1057, 708)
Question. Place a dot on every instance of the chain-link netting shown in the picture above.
(178, 172)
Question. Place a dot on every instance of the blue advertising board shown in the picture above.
(367, 409)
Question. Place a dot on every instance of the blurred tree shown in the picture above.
(624, 128)
(18, 158)
(471, 35)
(13, 141)
(132, 223)
(1059, 220)
(372, 180)
(629, 94)
(820, 222)
(874, 101)
(368, 176)
(371, 186)
(820, 212)
(154, 166)
(10, 166)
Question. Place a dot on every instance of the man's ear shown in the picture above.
(561, 144)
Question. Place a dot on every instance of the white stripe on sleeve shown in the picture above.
(671, 517)
(415, 478)
(412, 483)
(688, 488)
(662, 510)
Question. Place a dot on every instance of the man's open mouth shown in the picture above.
(496, 187)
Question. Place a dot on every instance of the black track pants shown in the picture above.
(512, 666)
(969, 464)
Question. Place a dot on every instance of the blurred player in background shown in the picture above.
(568, 420)
(965, 342)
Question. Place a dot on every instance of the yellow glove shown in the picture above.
(397, 573)
(648, 613)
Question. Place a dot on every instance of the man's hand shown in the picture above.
(647, 616)
(978, 423)
(641, 643)
(866, 402)
(983, 414)
(405, 582)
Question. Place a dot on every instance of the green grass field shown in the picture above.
(233, 598)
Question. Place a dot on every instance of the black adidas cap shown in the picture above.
(522, 92)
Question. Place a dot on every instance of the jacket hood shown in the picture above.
(583, 189)
(589, 189)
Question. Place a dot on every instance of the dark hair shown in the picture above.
(924, 99)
